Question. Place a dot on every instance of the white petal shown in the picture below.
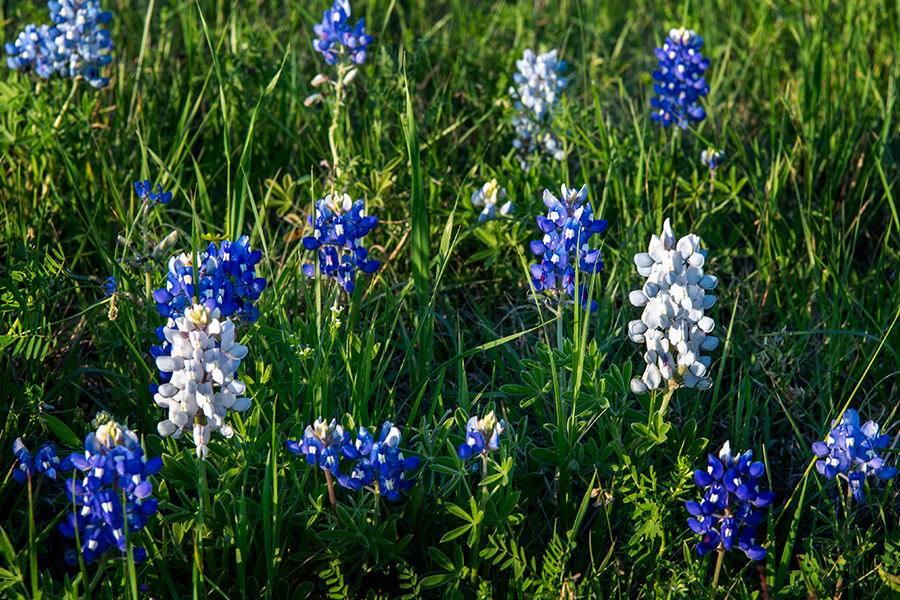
(166, 428)
(638, 386)
(241, 404)
(652, 377)
(706, 324)
(637, 298)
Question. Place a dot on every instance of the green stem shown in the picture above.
(715, 583)
(198, 531)
(335, 122)
(476, 548)
(32, 550)
(97, 576)
(331, 496)
(65, 106)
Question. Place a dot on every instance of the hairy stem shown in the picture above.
(331, 496)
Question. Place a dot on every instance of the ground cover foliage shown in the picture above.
(585, 496)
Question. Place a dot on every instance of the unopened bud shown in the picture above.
(349, 76)
(122, 241)
(319, 80)
(163, 247)
(312, 99)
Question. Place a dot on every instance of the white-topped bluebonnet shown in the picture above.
(673, 325)
(203, 361)
(321, 445)
(726, 515)
(337, 40)
(339, 226)
(489, 196)
(568, 228)
(380, 462)
(851, 451)
(76, 45)
(538, 84)
(482, 435)
(712, 158)
(144, 191)
(114, 466)
(228, 281)
(680, 81)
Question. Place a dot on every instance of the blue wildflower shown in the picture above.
(732, 492)
(567, 228)
(680, 81)
(489, 196)
(82, 39)
(45, 462)
(338, 228)
(851, 452)
(712, 158)
(114, 466)
(482, 435)
(380, 462)
(539, 83)
(337, 39)
(144, 190)
(321, 445)
(228, 281)
(110, 286)
(35, 47)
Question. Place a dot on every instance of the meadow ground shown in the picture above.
(585, 496)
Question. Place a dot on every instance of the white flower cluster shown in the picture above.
(203, 363)
(674, 298)
(539, 82)
(489, 196)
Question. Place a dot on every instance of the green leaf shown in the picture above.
(441, 559)
(433, 581)
(451, 535)
(62, 431)
(460, 513)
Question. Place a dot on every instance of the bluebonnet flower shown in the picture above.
(712, 158)
(489, 196)
(674, 298)
(338, 228)
(851, 451)
(228, 281)
(203, 386)
(680, 81)
(321, 445)
(380, 462)
(75, 45)
(539, 83)
(568, 227)
(144, 190)
(482, 435)
(87, 45)
(114, 465)
(35, 47)
(337, 39)
(732, 493)
(110, 286)
(45, 462)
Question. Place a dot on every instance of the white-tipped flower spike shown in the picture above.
(673, 326)
(203, 363)
(539, 84)
(489, 196)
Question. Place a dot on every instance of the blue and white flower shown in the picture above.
(674, 325)
(489, 196)
(144, 191)
(731, 494)
(114, 466)
(568, 228)
(321, 445)
(45, 462)
(338, 41)
(378, 462)
(482, 435)
(339, 227)
(680, 81)
(538, 85)
(712, 158)
(203, 361)
(851, 451)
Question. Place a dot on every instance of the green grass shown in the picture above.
(801, 224)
